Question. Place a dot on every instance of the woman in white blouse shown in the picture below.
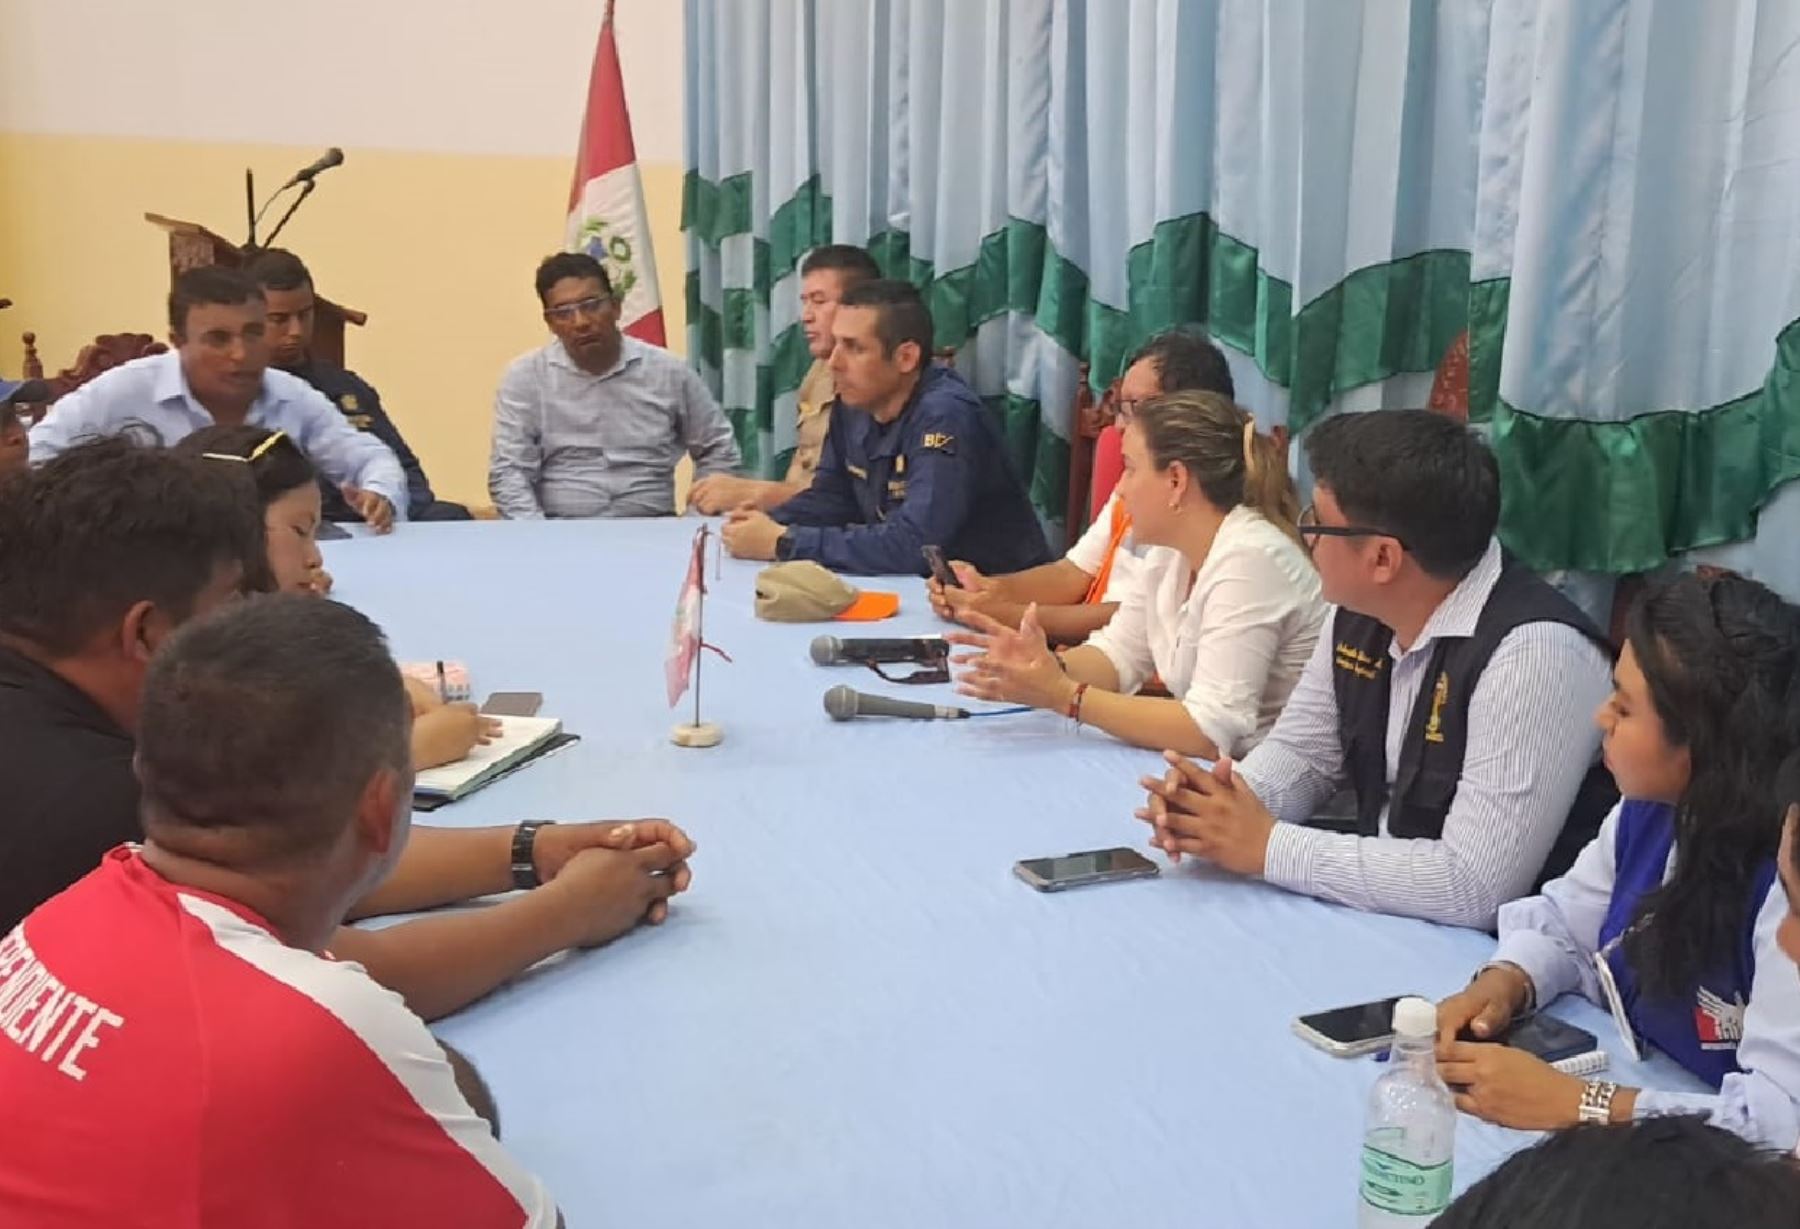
(1224, 607)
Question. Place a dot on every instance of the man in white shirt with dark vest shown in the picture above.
(1453, 693)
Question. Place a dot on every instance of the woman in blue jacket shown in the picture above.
(1673, 911)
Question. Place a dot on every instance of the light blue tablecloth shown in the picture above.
(858, 1016)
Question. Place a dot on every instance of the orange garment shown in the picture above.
(1121, 527)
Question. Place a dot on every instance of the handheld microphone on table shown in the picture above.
(864, 650)
(843, 703)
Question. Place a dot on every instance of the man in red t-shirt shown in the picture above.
(176, 1047)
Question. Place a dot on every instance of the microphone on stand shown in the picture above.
(324, 162)
(307, 179)
(831, 651)
(843, 703)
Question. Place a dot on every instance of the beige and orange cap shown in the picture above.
(804, 592)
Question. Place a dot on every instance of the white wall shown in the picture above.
(385, 74)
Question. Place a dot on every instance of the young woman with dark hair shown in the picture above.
(287, 486)
(1675, 906)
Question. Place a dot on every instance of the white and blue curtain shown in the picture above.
(1605, 194)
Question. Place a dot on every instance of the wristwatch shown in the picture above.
(524, 846)
(1596, 1102)
(784, 548)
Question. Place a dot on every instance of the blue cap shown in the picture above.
(23, 390)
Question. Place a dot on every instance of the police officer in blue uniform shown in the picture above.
(288, 286)
(912, 459)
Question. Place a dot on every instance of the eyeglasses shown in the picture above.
(1311, 530)
(568, 312)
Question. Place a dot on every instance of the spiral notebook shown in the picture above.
(522, 740)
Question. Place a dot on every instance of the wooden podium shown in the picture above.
(192, 246)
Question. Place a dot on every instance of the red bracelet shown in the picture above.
(1074, 711)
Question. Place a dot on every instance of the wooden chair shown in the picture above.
(105, 352)
(1090, 418)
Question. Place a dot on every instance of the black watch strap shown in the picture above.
(784, 548)
(524, 842)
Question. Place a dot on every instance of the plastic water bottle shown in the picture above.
(1410, 1140)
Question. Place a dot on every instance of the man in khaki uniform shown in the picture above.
(825, 274)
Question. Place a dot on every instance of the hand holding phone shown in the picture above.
(941, 570)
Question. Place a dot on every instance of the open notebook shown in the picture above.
(521, 740)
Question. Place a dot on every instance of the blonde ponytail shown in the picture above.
(1267, 487)
(1231, 461)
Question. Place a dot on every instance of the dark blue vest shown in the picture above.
(1437, 732)
(1699, 1028)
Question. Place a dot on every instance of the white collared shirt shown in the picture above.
(1230, 645)
(1554, 936)
(150, 397)
(568, 442)
(1531, 741)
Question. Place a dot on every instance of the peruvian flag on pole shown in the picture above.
(607, 219)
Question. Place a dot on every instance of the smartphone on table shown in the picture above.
(1347, 1032)
(1074, 870)
(940, 567)
(1567, 1047)
(514, 704)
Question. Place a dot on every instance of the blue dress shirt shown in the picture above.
(150, 397)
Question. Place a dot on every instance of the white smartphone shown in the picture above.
(1073, 870)
(1347, 1032)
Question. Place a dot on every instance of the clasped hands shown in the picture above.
(609, 875)
(751, 533)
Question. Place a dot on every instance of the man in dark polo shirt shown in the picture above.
(287, 285)
(104, 551)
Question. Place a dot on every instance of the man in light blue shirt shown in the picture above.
(594, 423)
(219, 373)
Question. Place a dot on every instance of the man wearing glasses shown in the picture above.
(219, 373)
(593, 423)
(1453, 694)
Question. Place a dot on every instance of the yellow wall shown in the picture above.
(438, 248)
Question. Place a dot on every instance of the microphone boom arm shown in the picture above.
(306, 190)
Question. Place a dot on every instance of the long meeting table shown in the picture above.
(858, 1015)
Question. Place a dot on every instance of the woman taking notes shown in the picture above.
(1675, 909)
(1224, 608)
(287, 485)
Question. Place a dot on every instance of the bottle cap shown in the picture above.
(1415, 1018)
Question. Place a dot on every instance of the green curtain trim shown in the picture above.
(1377, 322)
(1488, 301)
(715, 210)
(1625, 496)
(802, 223)
(1603, 496)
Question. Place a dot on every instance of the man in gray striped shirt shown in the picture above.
(1453, 693)
(594, 423)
